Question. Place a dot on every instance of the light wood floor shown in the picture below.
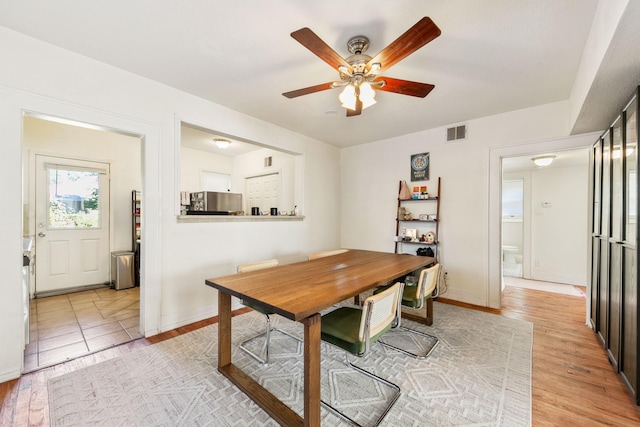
(572, 382)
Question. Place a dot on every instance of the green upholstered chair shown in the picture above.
(414, 297)
(243, 268)
(355, 329)
(322, 254)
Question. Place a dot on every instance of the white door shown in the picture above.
(263, 191)
(72, 223)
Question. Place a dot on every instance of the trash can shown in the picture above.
(122, 276)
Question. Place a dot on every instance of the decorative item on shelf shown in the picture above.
(401, 212)
(424, 217)
(430, 237)
(408, 216)
(416, 193)
(405, 193)
(410, 235)
(423, 238)
(432, 217)
(423, 192)
(425, 252)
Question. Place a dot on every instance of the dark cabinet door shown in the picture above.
(629, 346)
(614, 303)
(596, 188)
(603, 294)
(605, 233)
(595, 283)
(614, 237)
(629, 357)
(615, 242)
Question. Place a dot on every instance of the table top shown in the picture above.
(296, 291)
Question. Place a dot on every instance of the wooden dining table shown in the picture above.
(299, 292)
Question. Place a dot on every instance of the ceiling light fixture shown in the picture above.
(357, 90)
(222, 143)
(358, 80)
(543, 160)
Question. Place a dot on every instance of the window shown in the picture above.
(214, 181)
(73, 197)
(512, 200)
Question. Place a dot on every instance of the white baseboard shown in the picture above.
(9, 375)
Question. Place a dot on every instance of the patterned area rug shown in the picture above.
(478, 375)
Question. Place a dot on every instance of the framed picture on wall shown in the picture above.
(420, 167)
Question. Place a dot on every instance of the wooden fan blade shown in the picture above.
(311, 41)
(357, 111)
(308, 90)
(404, 87)
(413, 39)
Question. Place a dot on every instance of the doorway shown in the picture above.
(512, 227)
(77, 192)
(72, 224)
(545, 219)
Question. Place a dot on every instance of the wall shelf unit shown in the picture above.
(136, 230)
(425, 222)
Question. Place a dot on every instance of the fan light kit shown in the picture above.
(359, 73)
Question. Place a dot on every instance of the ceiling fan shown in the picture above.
(359, 73)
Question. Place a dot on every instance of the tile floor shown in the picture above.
(67, 326)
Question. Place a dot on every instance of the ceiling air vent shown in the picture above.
(457, 133)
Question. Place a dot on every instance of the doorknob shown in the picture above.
(41, 234)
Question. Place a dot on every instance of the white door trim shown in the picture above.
(14, 104)
(494, 284)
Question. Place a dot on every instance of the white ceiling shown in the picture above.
(493, 55)
(562, 159)
(203, 140)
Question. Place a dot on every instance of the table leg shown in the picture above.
(429, 312)
(312, 329)
(224, 329)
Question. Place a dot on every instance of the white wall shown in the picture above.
(193, 162)
(177, 257)
(370, 175)
(556, 232)
(252, 164)
(559, 224)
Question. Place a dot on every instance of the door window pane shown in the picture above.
(616, 182)
(73, 198)
(606, 185)
(631, 158)
(597, 185)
